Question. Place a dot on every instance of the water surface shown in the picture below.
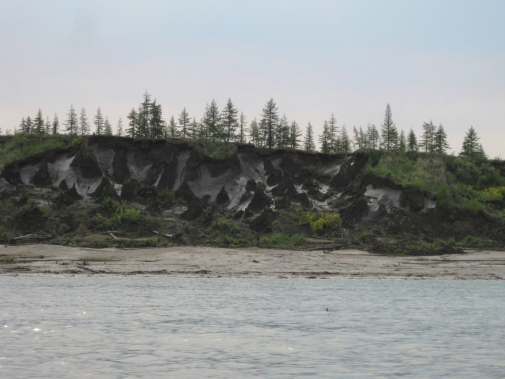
(152, 327)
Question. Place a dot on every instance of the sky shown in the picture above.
(441, 60)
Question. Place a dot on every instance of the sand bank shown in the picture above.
(189, 261)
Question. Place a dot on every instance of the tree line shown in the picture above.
(271, 130)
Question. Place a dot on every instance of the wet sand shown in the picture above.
(188, 261)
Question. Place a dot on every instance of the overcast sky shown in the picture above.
(430, 60)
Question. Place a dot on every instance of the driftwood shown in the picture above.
(166, 235)
(31, 237)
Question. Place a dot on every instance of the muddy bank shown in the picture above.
(186, 261)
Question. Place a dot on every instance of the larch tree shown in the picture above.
(254, 133)
(282, 133)
(229, 121)
(333, 132)
(402, 142)
(294, 135)
(440, 141)
(212, 122)
(38, 123)
(144, 115)
(119, 128)
(56, 124)
(99, 122)
(22, 126)
(107, 128)
(83, 123)
(173, 132)
(184, 121)
(29, 125)
(344, 142)
(156, 122)
(309, 144)
(373, 137)
(471, 147)
(71, 122)
(412, 141)
(269, 120)
(132, 123)
(389, 131)
(196, 131)
(242, 129)
(47, 127)
(428, 137)
(325, 139)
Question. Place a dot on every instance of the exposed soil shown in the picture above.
(186, 261)
(119, 192)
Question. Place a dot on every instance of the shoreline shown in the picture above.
(211, 262)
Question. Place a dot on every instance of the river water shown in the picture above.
(161, 327)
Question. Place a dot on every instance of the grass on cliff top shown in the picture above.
(475, 185)
(21, 146)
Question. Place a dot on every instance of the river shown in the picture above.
(154, 327)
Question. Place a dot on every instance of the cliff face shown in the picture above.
(236, 195)
(246, 182)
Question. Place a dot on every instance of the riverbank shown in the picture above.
(190, 261)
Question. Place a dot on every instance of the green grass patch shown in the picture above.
(22, 146)
(279, 239)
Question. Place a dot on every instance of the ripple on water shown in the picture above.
(156, 327)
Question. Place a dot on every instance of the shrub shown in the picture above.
(282, 239)
(324, 223)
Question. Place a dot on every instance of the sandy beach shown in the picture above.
(189, 261)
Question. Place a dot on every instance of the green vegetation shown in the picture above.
(23, 145)
(116, 214)
(323, 223)
(457, 182)
(284, 240)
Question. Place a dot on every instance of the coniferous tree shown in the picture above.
(333, 132)
(29, 125)
(412, 141)
(172, 128)
(373, 137)
(22, 126)
(144, 117)
(56, 124)
(471, 147)
(212, 122)
(38, 123)
(402, 142)
(282, 133)
(99, 122)
(344, 141)
(132, 123)
(269, 120)
(83, 123)
(156, 122)
(107, 128)
(229, 122)
(440, 141)
(389, 131)
(71, 122)
(196, 131)
(254, 133)
(119, 129)
(428, 137)
(294, 135)
(184, 122)
(242, 129)
(309, 144)
(47, 127)
(325, 139)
